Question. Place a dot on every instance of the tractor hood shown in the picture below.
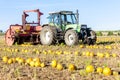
(74, 27)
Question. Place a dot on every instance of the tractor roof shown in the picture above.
(62, 12)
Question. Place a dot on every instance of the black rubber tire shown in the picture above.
(90, 41)
(93, 41)
(52, 35)
(74, 37)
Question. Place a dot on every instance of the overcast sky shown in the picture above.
(97, 14)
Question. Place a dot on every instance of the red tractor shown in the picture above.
(27, 32)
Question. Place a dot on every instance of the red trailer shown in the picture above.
(27, 32)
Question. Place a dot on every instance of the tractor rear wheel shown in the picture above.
(10, 37)
(48, 35)
(71, 37)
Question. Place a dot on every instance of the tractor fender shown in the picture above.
(44, 25)
(67, 30)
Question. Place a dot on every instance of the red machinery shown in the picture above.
(27, 32)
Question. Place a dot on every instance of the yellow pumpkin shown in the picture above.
(90, 68)
(54, 63)
(107, 71)
(59, 67)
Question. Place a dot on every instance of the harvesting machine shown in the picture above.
(27, 32)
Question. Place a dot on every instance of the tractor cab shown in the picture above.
(63, 20)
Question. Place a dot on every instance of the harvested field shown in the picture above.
(106, 53)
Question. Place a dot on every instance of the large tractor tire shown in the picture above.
(48, 35)
(91, 40)
(94, 37)
(71, 37)
(10, 37)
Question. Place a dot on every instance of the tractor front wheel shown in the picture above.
(48, 35)
(10, 37)
(71, 37)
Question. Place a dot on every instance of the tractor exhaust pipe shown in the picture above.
(77, 14)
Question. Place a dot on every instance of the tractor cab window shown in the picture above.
(51, 18)
(56, 19)
(74, 19)
(71, 19)
(68, 19)
(63, 19)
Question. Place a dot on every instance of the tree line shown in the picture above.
(108, 33)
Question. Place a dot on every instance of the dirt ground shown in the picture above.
(68, 55)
